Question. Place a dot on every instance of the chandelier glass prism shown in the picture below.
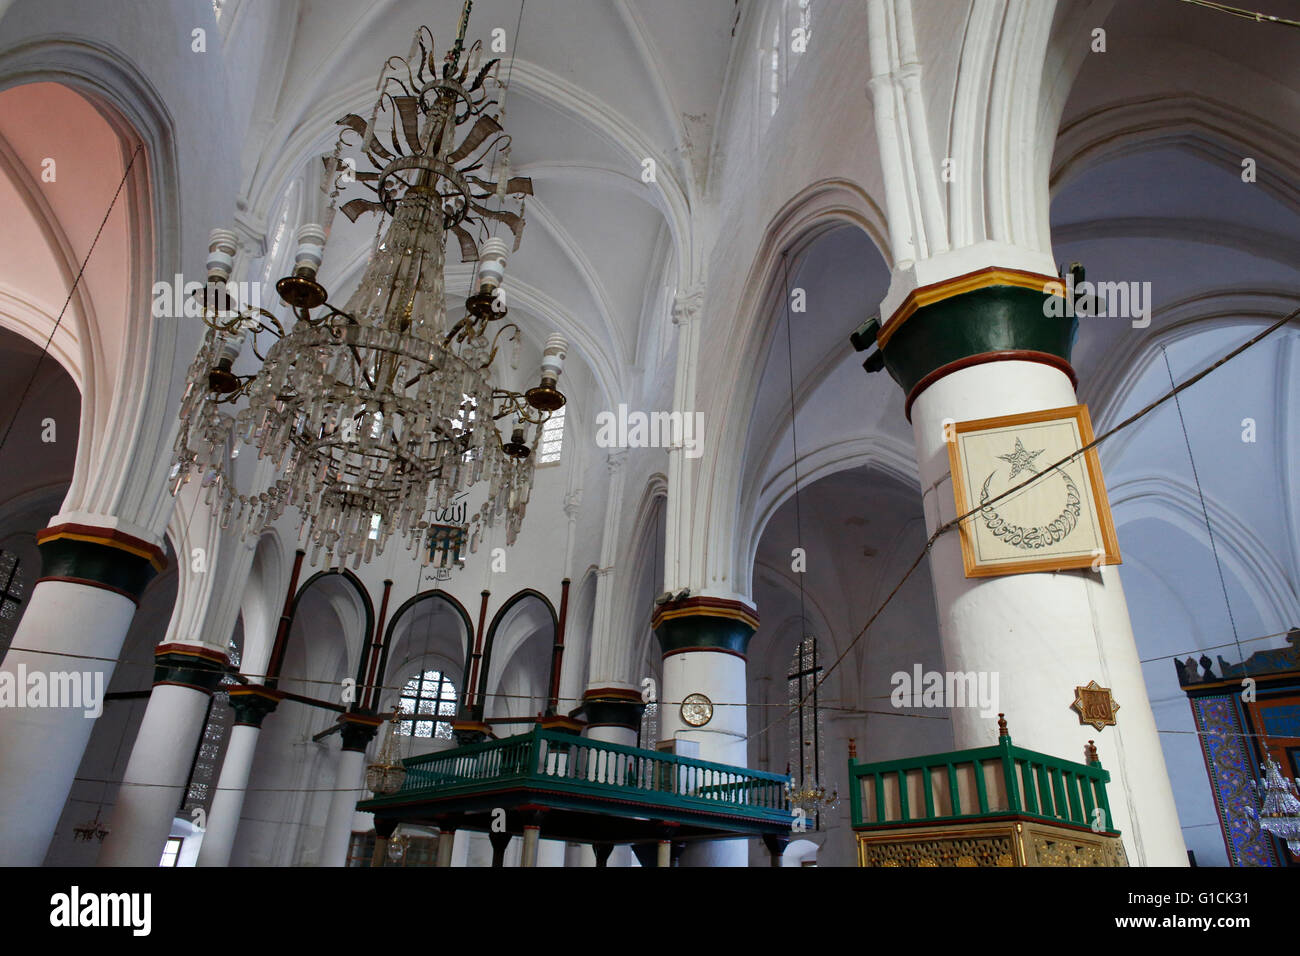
(1279, 809)
(378, 415)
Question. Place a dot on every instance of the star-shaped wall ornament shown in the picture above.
(1095, 705)
(1021, 460)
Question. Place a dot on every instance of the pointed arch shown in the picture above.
(409, 606)
(489, 641)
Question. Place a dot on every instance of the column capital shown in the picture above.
(688, 304)
(573, 503)
(612, 707)
(99, 557)
(358, 729)
(992, 314)
(704, 624)
(197, 666)
(252, 702)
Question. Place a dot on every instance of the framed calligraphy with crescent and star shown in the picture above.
(1037, 503)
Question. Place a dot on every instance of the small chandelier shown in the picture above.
(377, 415)
(387, 774)
(809, 794)
(91, 830)
(1279, 809)
(397, 845)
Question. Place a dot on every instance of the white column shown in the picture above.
(532, 833)
(720, 677)
(343, 806)
(42, 746)
(551, 852)
(609, 656)
(1042, 634)
(153, 785)
(228, 802)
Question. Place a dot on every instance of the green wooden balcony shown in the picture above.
(589, 788)
(979, 784)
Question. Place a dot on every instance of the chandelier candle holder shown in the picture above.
(811, 796)
(378, 414)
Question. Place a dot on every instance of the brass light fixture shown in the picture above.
(380, 413)
(387, 774)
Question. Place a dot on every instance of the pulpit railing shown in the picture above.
(984, 782)
(580, 765)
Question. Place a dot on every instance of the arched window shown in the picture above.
(552, 441)
(430, 693)
(798, 28)
(787, 38)
(774, 69)
(807, 733)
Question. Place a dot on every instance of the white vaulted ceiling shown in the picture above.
(597, 88)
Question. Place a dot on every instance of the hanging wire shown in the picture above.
(1243, 14)
(71, 292)
(1205, 512)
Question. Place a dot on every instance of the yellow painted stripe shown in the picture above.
(706, 611)
(148, 555)
(958, 285)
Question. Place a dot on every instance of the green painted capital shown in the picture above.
(186, 665)
(704, 624)
(99, 558)
(612, 707)
(252, 702)
(358, 729)
(986, 316)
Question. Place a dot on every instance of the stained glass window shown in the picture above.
(807, 730)
(428, 693)
(206, 768)
(13, 590)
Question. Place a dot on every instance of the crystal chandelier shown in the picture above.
(1279, 809)
(386, 774)
(379, 414)
(811, 796)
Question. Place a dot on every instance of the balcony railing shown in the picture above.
(578, 765)
(966, 785)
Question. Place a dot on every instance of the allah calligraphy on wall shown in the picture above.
(1035, 502)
